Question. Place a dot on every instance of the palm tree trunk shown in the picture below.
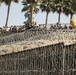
(46, 24)
(8, 11)
(0, 2)
(59, 18)
(31, 15)
(71, 17)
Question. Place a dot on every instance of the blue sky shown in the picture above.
(17, 17)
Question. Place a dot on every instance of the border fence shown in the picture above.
(52, 35)
(55, 59)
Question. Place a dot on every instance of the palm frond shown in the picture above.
(24, 3)
(46, 5)
(25, 8)
(5, 1)
(36, 10)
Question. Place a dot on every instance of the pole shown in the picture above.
(63, 61)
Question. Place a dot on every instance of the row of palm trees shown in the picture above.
(68, 7)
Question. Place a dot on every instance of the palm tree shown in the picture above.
(8, 2)
(59, 7)
(70, 8)
(46, 6)
(31, 6)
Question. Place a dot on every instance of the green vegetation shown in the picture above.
(46, 6)
(31, 6)
(68, 7)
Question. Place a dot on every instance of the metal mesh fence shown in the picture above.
(54, 59)
(70, 60)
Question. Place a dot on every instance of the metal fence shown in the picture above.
(55, 59)
(70, 60)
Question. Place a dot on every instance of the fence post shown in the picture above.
(63, 61)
